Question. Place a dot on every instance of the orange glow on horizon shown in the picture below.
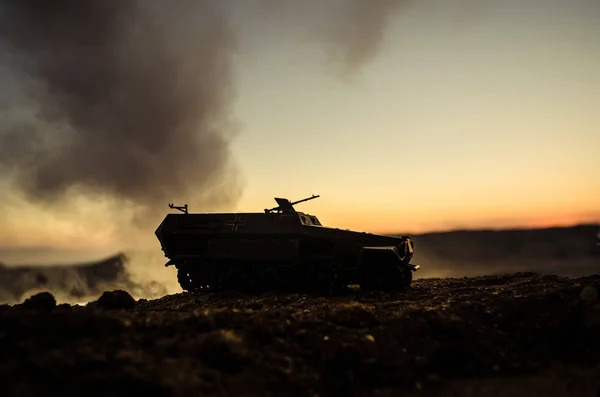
(420, 222)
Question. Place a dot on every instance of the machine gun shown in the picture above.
(285, 206)
(183, 208)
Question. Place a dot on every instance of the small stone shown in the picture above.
(589, 295)
(354, 315)
(255, 305)
(117, 299)
(41, 301)
(433, 377)
(223, 350)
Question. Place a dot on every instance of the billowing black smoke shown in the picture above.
(129, 99)
(357, 33)
(132, 100)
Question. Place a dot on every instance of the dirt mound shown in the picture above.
(75, 281)
(71, 283)
(453, 334)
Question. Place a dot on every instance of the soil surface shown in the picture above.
(513, 335)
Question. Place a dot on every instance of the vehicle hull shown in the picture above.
(294, 248)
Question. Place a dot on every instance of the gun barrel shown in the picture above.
(287, 206)
(306, 199)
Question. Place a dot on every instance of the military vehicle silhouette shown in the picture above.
(280, 249)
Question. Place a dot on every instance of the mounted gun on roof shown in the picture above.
(287, 207)
(182, 208)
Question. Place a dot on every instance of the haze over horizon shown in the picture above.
(403, 116)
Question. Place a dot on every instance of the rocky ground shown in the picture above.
(520, 334)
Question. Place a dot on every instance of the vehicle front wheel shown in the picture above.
(373, 279)
(408, 276)
(192, 280)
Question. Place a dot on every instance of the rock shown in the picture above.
(115, 300)
(223, 350)
(592, 319)
(354, 315)
(589, 295)
(41, 301)
(255, 305)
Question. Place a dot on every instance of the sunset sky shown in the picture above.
(485, 114)
(480, 114)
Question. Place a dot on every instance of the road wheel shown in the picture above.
(266, 280)
(394, 281)
(194, 280)
(187, 279)
(237, 280)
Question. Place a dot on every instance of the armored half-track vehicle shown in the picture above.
(280, 249)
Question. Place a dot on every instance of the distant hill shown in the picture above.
(568, 251)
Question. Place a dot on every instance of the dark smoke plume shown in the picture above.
(356, 37)
(351, 31)
(131, 99)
